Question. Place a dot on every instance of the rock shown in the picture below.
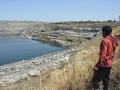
(2, 73)
(2, 83)
(24, 77)
(34, 73)
(11, 80)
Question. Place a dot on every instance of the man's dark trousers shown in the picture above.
(102, 74)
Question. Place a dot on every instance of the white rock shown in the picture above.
(2, 83)
(2, 73)
(11, 80)
(34, 73)
(23, 77)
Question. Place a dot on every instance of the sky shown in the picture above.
(59, 10)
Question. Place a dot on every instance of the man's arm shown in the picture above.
(102, 54)
(103, 51)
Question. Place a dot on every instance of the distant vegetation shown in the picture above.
(89, 21)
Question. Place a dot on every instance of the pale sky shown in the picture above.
(59, 10)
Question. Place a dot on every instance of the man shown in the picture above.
(103, 67)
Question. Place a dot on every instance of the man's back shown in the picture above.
(107, 49)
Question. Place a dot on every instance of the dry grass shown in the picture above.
(75, 75)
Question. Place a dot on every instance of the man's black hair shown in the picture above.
(107, 30)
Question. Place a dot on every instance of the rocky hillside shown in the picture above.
(15, 27)
(66, 33)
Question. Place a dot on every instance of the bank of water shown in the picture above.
(13, 49)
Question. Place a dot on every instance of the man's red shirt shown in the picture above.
(107, 49)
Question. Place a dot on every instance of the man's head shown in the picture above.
(106, 30)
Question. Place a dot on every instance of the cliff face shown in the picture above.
(74, 75)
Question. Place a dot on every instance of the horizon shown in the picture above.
(58, 21)
(59, 11)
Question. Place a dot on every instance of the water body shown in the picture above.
(14, 49)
